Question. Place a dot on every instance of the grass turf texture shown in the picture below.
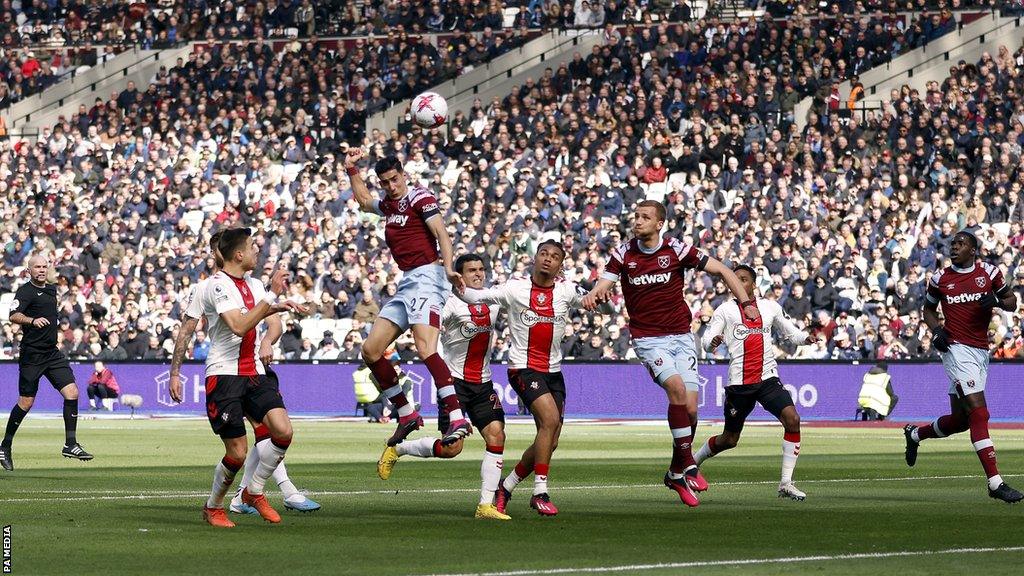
(136, 508)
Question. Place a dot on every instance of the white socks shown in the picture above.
(223, 476)
(704, 453)
(540, 484)
(490, 475)
(270, 456)
(790, 452)
(420, 448)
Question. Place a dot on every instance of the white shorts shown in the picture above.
(421, 295)
(668, 356)
(967, 369)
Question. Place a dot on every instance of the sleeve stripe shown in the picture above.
(931, 299)
(609, 276)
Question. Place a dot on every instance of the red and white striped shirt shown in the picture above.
(536, 315)
(752, 358)
(230, 355)
(466, 339)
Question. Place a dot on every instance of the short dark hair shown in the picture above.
(659, 208)
(552, 242)
(215, 240)
(970, 236)
(232, 240)
(746, 269)
(461, 261)
(387, 163)
(218, 259)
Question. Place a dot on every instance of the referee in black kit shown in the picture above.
(35, 309)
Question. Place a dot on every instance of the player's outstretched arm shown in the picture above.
(366, 201)
(444, 243)
(712, 337)
(599, 294)
(496, 295)
(181, 342)
(716, 268)
(790, 331)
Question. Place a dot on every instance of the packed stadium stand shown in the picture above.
(843, 213)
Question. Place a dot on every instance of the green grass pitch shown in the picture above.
(135, 509)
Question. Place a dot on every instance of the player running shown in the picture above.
(968, 290)
(237, 386)
(651, 269)
(467, 338)
(414, 231)
(754, 375)
(35, 309)
(537, 310)
(198, 306)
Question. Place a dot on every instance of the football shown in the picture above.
(429, 110)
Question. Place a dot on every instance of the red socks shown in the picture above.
(978, 419)
(943, 426)
(682, 438)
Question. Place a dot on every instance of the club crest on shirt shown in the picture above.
(403, 204)
(980, 281)
(659, 362)
(663, 261)
(478, 309)
(541, 298)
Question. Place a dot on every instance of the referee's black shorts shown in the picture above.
(53, 365)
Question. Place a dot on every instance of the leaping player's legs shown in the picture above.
(425, 336)
(386, 330)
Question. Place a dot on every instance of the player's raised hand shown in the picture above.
(279, 281)
(354, 155)
(40, 322)
(458, 284)
(175, 386)
(716, 341)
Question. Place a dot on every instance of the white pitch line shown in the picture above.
(148, 495)
(744, 562)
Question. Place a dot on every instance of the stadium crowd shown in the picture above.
(43, 41)
(844, 220)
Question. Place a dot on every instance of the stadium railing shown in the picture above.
(936, 53)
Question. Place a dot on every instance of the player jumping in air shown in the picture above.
(35, 309)
(198, 306)
(651, 269)
(537, 309)
(414, 232)
(754, 376)
(467, 338)
(237, 385)
(967, 290)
